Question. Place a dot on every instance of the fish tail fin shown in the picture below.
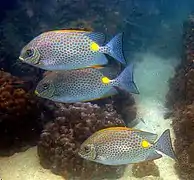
(115, 48)
(164, 144)
(126, 82)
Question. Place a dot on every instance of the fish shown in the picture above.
(123, 145)
(71, 49)
(83, 85)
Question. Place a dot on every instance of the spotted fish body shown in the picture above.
(68, 49)
(122, 145)
(82, 85)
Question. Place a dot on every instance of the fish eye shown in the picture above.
(87, 149)
(29, 52)
(45, 85)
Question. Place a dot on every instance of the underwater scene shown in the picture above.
(97, 90)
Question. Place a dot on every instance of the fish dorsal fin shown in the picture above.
(81, 29)
(150, 137)
(97, 37)
(111, 92)
(123, 128)
(72, 30)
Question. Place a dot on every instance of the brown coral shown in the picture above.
(14, 99)
(61, 139)
(181, 100)
(18, 114)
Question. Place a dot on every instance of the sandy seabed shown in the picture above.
(24, 166)
(153, 87)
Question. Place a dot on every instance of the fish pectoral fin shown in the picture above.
(153, 155)
(97, 37)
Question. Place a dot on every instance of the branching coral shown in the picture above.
(61, 139)
(181, 100)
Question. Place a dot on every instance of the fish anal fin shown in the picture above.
(153, 156)
(111, 92)
(99, 59)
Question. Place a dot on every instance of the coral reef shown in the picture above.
(145, 169)
(180, 100)
(61, 139)
(19, 115)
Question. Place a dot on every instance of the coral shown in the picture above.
(183, 125)
(61, 139)
(124, 104)
(145, 169)
(181, 100)
(18, 114)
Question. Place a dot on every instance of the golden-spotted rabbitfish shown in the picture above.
(83, 85)
(71, 49)
(122, 145)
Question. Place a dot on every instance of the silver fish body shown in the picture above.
(82, 85)
(121, 145)
(66, 50)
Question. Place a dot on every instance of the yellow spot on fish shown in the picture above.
(94, 46)
(145, 144)
(106, 80)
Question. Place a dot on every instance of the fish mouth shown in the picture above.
(21, 58)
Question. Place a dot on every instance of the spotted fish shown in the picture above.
(71, 49)
(83, 85)
(122, 145)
